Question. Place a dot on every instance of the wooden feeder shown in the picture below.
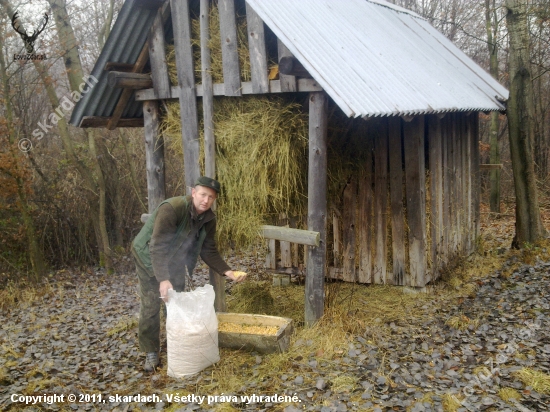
(259, 342)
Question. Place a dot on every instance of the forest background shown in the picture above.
(74, 197)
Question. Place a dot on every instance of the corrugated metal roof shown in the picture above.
(124, 44)
(371, 57)
(376, 59)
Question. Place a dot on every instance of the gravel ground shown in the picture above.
(81, 339)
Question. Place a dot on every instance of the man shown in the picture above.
(166, 251)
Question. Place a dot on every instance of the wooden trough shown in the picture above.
(262, 343)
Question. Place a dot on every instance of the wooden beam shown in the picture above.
(287, 270)
(208, 92)
(336, 240)
(218, 283)
(380, 202)
(293, 220)
(129, 80)
(317, 206)
(366, 196)
(445, 128)
(456, 183)
(187, 94)
(157, 58)
(290, 66)
(284, 245)
(396, 201)
(99, 121)
(465, 187)
(119, 67)
(476, 185)
(413, 136)
(468, 144)
(436, 191)
(288, 83)
(303, 85)
(271, 258)
(258, 54)
(154, 156)
(127, 93)
(230, 54)
(348, 224)
(302, 237)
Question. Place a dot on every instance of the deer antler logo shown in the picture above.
(28, 40)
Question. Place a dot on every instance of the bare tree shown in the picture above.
(491, 22)
(521, 130)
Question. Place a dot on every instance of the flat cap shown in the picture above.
(208, 182)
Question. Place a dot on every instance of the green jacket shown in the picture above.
(172, 239)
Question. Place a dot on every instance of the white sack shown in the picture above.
(191, 331)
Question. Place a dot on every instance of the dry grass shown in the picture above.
(462, 322)
(344, 383)
(22, 293)
(506, 394)
(451, 403)
(214, 44)
(126, 323)
(261, 144)
(537, 380)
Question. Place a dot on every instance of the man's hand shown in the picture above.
(163, 289)
(236, 276)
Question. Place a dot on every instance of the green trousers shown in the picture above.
(149, 311)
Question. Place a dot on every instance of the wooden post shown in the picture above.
(207, 92)
(154, 155)
(474, 136)
(396, 201)
(157, 59)
(317, 206)
(230, 54)
(286, 258)
(366, 196)
(294, 252)
(336, 240)
(288, 83)
(348, 224)
(416, 199)
(258, 54)
(446, 188)
(465, 186)
(436, 189)
(218, 283)
(452, 186)
(461, 169)
(380, 202)
(187, 94)
(458, 180)
(271, 258)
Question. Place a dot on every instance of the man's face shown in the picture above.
(203, 197)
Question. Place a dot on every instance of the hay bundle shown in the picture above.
(260, 146)
(214, 44)
(253, 297)
(260, 161)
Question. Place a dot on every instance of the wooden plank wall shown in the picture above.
(416, 206)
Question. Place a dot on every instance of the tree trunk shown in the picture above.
(520, 113)
(73, 67)
(492, 28)
(35, 253)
